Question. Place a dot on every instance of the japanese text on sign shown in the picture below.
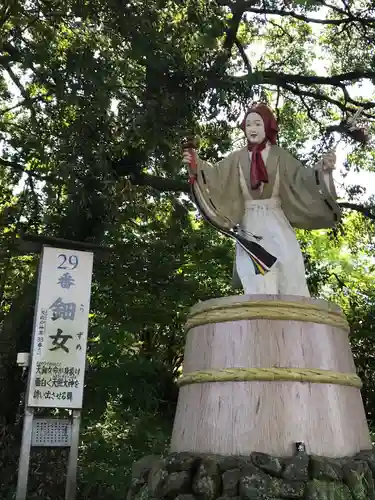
(60, 329)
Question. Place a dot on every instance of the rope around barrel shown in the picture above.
(267, 310)
(314, 376)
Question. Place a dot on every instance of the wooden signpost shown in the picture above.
(58, 358)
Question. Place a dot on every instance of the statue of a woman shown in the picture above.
(263, 192)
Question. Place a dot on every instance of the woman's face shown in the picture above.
(254, 128)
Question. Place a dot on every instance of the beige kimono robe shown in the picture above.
(305, 198)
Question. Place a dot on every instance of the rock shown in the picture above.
(142, 494)
(297, 467)
(357, 475)
(140, 472)
(207, 480)
(325, 468)
(250, 470)
(176, 462)
(267, 463)
(231, 479)
(142, 467)
(232, 462)
(287, 489)
(135, 487)
(369, 458)
(365, 455)
(255, 485)
(176, 483)
(156, 478)
(324, 490)
(228, 498)
(186, 476)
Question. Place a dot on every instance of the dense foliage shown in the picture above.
(95, 99)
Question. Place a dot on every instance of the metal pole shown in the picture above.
(23, 468)
(71, 479)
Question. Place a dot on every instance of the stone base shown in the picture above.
(187, 476)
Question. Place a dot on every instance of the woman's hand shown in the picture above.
(187, 157)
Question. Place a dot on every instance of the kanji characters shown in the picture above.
(66, 281)
(59, 341)
(56, 382)
(53, 395)
(63, 310)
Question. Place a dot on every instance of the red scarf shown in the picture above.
(258, 172)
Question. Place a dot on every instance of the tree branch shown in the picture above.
(164, 184)
(276, 78)
(25, 94)
(243, 54)
(5, 14)
(230, 39)
(181, 186)
(25, 102)
(31, 173)
(367, 211)
(160, 183)
(301, 17)
(290, 82)
(17, 82)
(137, 179)
(322, 97)
(248, 6)
(333, 7)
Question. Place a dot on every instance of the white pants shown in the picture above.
(265, 218)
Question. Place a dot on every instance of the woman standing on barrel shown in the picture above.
(262, 192)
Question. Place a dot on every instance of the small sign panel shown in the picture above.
(51, 432)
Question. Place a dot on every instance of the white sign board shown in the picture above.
(60, 329)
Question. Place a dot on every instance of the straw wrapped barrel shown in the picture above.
(262, 373)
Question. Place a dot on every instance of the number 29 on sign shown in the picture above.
(68, 262)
